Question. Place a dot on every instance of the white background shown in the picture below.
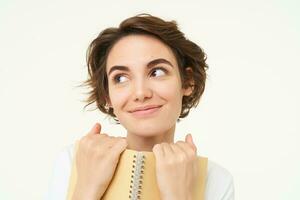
(247, 120)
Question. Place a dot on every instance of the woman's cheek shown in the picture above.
(119, 97)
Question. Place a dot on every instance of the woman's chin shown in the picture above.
(145, 133)
(149, 131)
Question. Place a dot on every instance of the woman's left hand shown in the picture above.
(177, 169)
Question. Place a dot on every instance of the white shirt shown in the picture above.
(219, 182)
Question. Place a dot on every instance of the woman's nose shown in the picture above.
(142, 90)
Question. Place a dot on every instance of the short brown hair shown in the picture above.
(187, 53)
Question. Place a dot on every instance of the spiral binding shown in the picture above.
(137, 176)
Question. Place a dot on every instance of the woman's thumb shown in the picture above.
(189, 140)
(96, 129)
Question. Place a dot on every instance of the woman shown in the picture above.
(146, 75)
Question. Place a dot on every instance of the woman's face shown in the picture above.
(142, 71)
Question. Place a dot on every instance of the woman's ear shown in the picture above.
(189, 82)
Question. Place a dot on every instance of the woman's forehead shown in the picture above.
(138, 50)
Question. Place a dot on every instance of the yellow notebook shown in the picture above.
(135, 177)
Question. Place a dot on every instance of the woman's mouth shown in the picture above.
(148, 112)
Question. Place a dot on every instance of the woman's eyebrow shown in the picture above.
(149, 65)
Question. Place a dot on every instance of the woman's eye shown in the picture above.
(159, 71)
(119, 78)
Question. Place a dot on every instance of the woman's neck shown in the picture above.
(141, 143)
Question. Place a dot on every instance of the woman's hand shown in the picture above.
(96, 160)
(176, 169)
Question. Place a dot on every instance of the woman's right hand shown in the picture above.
(96, 160)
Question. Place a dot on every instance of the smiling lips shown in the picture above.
(145, 110)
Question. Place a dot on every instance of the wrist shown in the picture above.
(86, 193)
(177, 198)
